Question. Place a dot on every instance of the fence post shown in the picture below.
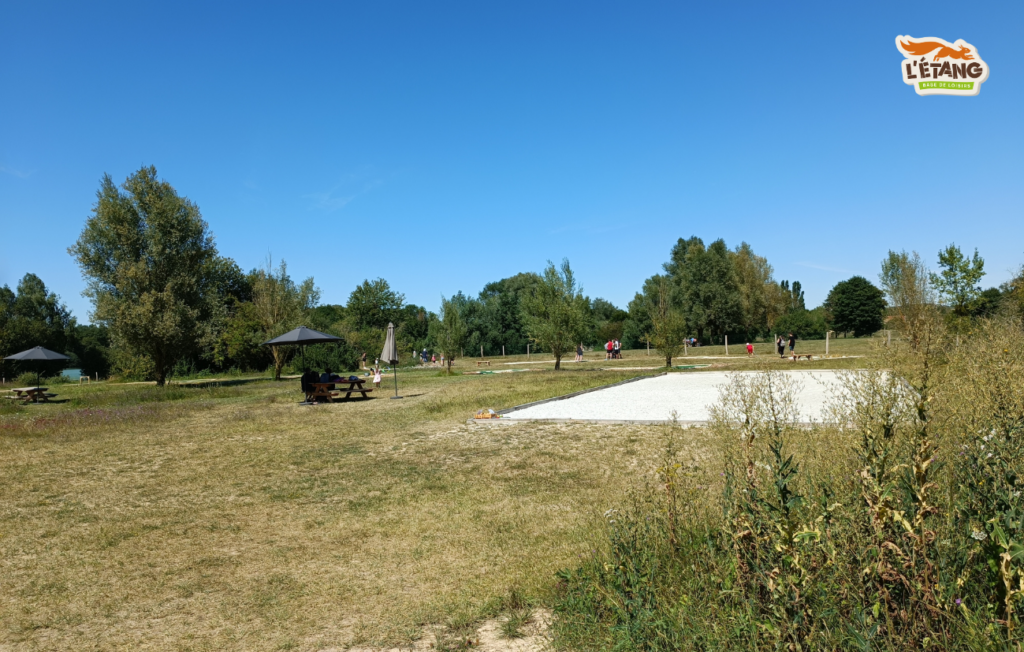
(527, 351)
(481, 350)
(503, 350)
(727, 345)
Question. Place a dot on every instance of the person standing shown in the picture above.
(750, 350)
(362, 361)
(616, 349)
(780, 346)
(792, 342)
(579, 352)
(376, 377)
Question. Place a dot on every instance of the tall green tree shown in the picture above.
(761, 301)
(280, 304)
(34, 316)
(638, 326)
(151, 266)
(449, 332)
(668, 322)
(608, 321)
(373, 304)
(710, 289)
(557, 312)
(958, 281)
(855, 305)
(904, 279)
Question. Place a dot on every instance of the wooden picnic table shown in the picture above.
(326, 391)
(30, 394)
(486, 362)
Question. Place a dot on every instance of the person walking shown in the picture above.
(376, 377)
(579, 352)
(792, 342)
(780, 346)
(362, 361)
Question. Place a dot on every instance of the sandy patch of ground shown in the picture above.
(487, 638)
(656, 398)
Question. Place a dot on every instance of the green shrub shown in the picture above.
(27, 379)
(897, 524)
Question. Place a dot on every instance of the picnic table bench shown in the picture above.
(31, 394)
(486, 362)
(797, 356)
(327, 391)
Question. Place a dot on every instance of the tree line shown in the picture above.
(165, 302)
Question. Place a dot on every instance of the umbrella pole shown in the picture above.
(395, 370)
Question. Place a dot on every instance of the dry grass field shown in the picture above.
(231, 518)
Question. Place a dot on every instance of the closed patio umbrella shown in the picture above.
(300, 337)
(37, 353)
(390, 354)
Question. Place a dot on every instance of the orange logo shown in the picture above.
(937, 67)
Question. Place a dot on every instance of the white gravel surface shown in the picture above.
(690, 395)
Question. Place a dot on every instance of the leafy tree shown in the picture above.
(34, 316)
(557, 312)
(151, 266)
(92, 349)
(281, 305)
(449, 332)
(413, 331)
(1012, 294)
(793, 297)
(498, 314)
(805, 324)
(855, 305)
(609, 321)
(668, 323)
(240, 341)
(637, 328)
(958, 282)
(710, 289)
(373, 304)
(988, 303)
(904, 279)
(761, 299)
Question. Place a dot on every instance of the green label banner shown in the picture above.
(960, 86)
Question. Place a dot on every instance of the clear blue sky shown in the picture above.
(445, 145)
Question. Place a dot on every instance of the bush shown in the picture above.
(27, 379)
(904, 531)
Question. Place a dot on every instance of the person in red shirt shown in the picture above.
(750, 350)
(608, 350)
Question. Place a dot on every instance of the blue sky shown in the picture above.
(445, 145)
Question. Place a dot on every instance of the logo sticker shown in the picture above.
(936, 67)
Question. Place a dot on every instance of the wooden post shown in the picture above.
(481, 350)
(888, 337)
(727, 345)
(527, 351)
(648, 347)
(503, 350)
(686, 346)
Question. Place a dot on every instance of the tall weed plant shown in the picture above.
(894, 523)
